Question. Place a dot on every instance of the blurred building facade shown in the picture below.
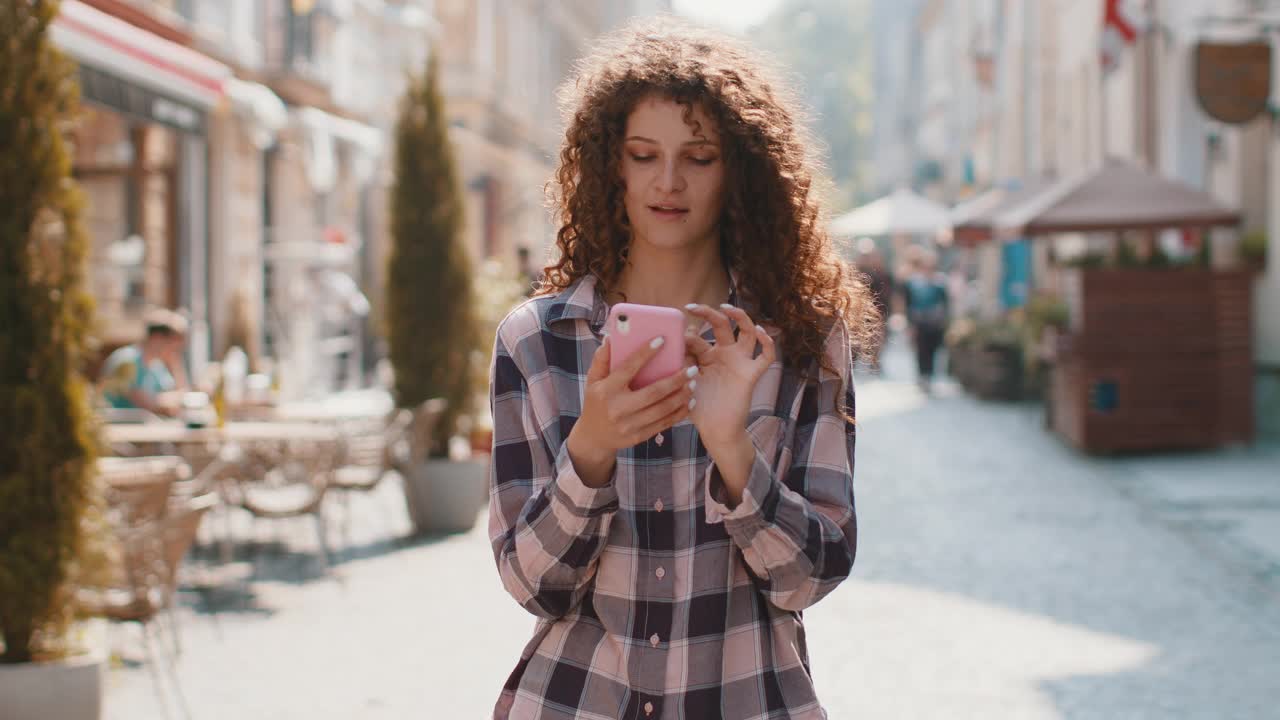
(1011, 91)
(895, 72)
(236, 155)
(230, 152)
(503, 62)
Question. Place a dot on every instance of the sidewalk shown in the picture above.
(999, 575)
(1229, 500)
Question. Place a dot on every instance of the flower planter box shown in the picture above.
(997, 373)
(1155, 360)
(989, 372)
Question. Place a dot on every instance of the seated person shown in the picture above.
(144, 375)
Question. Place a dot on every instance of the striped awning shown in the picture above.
(109, 44)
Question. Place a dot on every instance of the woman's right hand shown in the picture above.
(615, 417)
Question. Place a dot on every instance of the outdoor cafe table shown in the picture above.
(241, 433)
(260, 444)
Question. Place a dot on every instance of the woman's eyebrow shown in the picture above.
(699, 141)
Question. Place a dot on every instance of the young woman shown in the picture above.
(669, 538)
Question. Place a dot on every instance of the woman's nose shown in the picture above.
(669, 177)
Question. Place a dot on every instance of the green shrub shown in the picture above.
(46, 444)
(432, 329)
(1044, 310)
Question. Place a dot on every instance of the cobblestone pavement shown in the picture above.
(999, 575)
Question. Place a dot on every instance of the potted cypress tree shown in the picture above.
(432, 323)
(46, 447)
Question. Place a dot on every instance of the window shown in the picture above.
(299, 35)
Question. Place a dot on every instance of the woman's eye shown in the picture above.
(702, 160)
(641, 158)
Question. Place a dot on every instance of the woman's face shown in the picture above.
(674, 178)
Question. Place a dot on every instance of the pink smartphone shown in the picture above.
(631, 327)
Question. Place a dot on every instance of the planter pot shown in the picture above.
(446, 495)
(68, 689)
(997, 374)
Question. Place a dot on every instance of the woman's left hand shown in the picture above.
(728, 372)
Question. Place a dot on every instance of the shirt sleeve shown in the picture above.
(796, 524)
(546, 527)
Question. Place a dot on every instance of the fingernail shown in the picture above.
(692, 371)
(761, 330)
(656, 342)
(726, 306)
(691, 306)
(692, 402)
(693, 384)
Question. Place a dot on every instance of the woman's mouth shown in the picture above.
(668, 212)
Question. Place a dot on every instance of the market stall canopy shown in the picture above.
(1117, 196)
(901, 212)
(973, 221)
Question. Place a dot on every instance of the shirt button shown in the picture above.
(653, 640)
(661, 573)
(659, 439)
(658, 505)
(648, 708)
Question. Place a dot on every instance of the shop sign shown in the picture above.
(143, 103)
(1233, 80)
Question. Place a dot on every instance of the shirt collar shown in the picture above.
(579, 301)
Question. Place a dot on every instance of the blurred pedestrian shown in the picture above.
(880, 282)
(148, 374)
(925, 297)
(663, 535)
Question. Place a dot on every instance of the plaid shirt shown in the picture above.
(653, 598)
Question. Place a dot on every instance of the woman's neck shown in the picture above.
(674, 278)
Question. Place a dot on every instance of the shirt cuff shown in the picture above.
(759, 494)
(580, 499)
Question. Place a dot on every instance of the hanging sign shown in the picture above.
(1233, 80)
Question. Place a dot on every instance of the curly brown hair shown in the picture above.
(772, 227)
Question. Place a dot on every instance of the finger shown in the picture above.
(622, 377)
(698, 347)
(599, 369)
(719, 322)
(746, 326)
(656, 411)
(662, 424)
(632, 402)
(768, 350)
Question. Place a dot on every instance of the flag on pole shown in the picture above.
(1122, 20)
